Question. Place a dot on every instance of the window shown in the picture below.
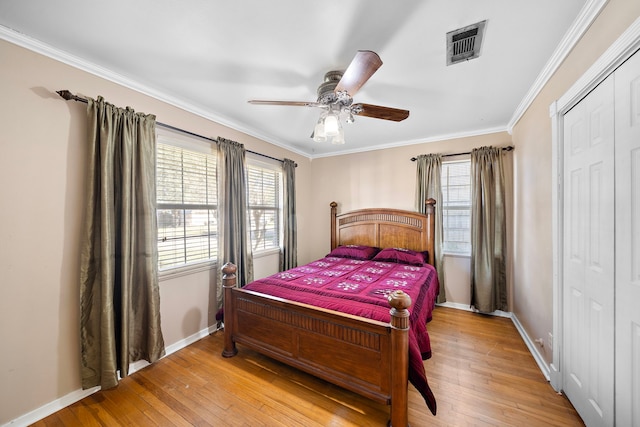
(456, 207)
(264, 190)
(186, 202)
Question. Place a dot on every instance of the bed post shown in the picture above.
(228, 283)
(430, 212)
(334, 238)
(399, 302)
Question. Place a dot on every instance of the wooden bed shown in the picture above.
(366, 356)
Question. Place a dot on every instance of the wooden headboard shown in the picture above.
(385, 228)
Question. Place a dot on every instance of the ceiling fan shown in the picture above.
(335, 97)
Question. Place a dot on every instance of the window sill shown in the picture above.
(186, 270)
(266, 252)
(456, 255)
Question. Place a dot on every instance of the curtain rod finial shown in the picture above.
(65, 94)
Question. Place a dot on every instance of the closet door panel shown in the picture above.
(588, 262)
(576, 204)
(627, 153)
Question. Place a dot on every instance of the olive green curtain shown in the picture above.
(119, 294)
(488, 231)
(428, 185)
(233, 231)
(289, 255)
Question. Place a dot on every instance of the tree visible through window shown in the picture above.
(456, 215)
(264, 199)
(186, 206)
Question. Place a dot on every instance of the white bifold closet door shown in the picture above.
(588, 256)
(627, 321)
(601, 251)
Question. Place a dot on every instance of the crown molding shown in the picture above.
(587, 15)
(445, 137)
(49, 51)
(612, 58)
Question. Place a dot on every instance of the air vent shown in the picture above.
(464, 44)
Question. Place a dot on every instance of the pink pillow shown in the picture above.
(354, 252)
(401, 256)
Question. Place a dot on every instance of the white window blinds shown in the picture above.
(186, 206)
(264, 182)
(456, 192)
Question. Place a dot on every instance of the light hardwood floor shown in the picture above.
(481, 374)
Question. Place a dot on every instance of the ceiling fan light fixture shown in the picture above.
(339, 138)
(332, 126)
(319, 134)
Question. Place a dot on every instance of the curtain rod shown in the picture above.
(71, 97)
(507, 148)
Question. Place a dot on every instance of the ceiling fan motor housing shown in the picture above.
(326, 90)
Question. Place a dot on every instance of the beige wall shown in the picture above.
(42, 176)
(380, 178)
(533, 296)
(386, 178)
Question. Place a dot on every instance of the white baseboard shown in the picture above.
(190, 340)
(77, 395)
(50, 408)
(533, 349)
(456, 305)
(466, 307)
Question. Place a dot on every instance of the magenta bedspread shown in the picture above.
(361, 288)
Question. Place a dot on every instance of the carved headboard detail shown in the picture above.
(385, 228)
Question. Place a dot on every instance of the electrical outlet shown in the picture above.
(550, 341)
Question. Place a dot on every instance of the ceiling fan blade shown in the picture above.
(378, 112)
(286, 103)
(362, 67)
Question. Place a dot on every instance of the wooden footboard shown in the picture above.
(365, 356)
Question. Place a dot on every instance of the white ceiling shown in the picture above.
(210, 57)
